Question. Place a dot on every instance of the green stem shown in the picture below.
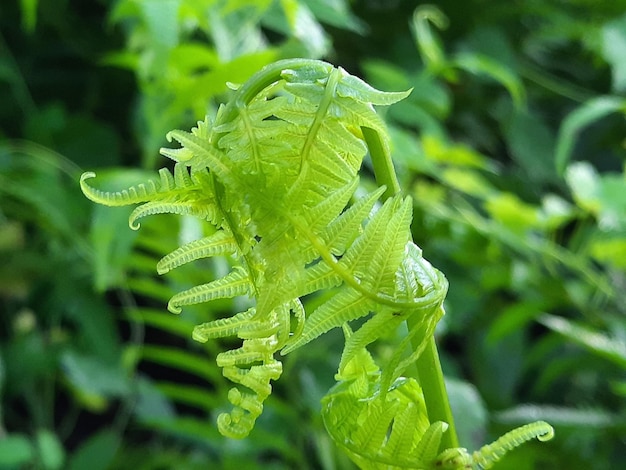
(429, 370)
(381, 161)
(434, 388)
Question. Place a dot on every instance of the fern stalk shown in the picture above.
(430, 375)
(430, 378)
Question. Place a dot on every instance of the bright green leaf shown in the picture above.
(555, 211)
(512, 319)
(613, 199)
(235, 31)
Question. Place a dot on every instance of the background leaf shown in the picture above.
(522, 207)
(571, 127)
(613, 46)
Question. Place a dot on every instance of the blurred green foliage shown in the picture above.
(511, 143)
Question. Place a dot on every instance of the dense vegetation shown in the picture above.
(511, 145)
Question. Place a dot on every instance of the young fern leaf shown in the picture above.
(218, 244)
(488, 455)
(376, 430)
(387, 428)
(275, 172)
(236, 283)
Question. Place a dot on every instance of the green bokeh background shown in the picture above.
(511, 144)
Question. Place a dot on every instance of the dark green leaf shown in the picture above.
(612, 349)
(16, 451)
(96, 453)
(577, 120)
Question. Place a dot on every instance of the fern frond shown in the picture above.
(204, 131)
(207, 212)
(428, 445)
(219, 244)
(376, 421)
(379, 325)
(139, 193)
(252, 366)
(488, 455)
(251, 142)
(322, 214)
(237, 282)
(341, 231)
(386, 259)
(417, 276)
(374, 260)
(222, 327)
(275, 172)
(247, 406)
(203, 150)
(357, 257)
(380, 431)
(190, 192)
(318, 277)
(255, 378)
(342, 307)
(254, 350)
(400, 443)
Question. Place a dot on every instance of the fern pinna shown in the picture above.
(276, 173)
(388, 428)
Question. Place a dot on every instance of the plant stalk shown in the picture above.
(430, 375)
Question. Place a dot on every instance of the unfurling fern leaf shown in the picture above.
(275, 173)
(388, 428)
